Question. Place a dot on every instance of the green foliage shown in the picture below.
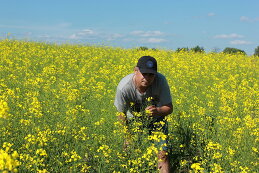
(197, 49)
(194, 49)
(143, 48)
(185, 49)
(230, 50)
(256, 51)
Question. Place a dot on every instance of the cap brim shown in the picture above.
(148, 71)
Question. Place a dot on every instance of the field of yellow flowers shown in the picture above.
(57, 113)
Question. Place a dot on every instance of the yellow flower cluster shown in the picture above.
(3, 109)
(196, 167)
(56, 110)
(8, 158)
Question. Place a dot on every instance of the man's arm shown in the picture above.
(165, 106)
(160, 111)
(120, 104)
(121, 117)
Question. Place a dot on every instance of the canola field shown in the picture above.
(57, 112)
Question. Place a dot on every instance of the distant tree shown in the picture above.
(231, 50)
(143, 48)
(197, 49)
(185, 49)
(256, 51)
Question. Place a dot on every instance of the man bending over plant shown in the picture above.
(146, 91)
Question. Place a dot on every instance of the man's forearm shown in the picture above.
(164, 110)
(160, 111)
(122, 117)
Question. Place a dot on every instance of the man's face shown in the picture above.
(143, 79)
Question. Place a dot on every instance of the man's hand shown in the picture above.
(152, 110)
(121, 117)
(159, 111)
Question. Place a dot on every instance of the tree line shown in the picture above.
(228, 50)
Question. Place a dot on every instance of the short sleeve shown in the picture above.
(120, 101)
(165, 95)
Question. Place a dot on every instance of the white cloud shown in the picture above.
(73, 36)
(83, 34)
(128, 40)
(114, 36)
(240, 42)
(147, 33)
(233, 35)
(89, 34)
(13, 26)
(44, 36)
(248, 19)
(64, 25)
(86, 32)
(245, 19)
(211, 14)
(154, 40)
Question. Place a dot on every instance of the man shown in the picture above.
(133, 92)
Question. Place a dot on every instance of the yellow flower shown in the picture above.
(217, 155)
(100, 122)
(183, 162)
(41, 152)
(132, 104)
(42, 171)
(105, 150)
(217, 168)
(231, 151)
(25, 122)
(148, 112)
(3, 109)
(149, 99)
(8, 158)
(197, 167)
(213, 146)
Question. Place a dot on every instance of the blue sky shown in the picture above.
(163, 24)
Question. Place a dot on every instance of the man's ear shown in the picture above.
(136, 69)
